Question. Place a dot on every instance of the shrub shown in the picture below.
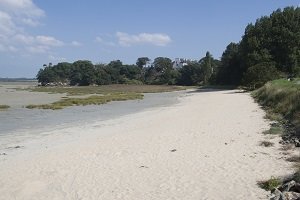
(270, 184)
(257, 75)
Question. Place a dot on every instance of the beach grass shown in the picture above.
(281, 97)
(91, 100)
(270, 184)
(4, 107)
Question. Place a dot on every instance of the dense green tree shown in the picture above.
(142, 61)
(207, 66)
(102, 77)
(257, 75)
(46, 75)
(163, 67)
(190, 74)
(230, 72)
(83, 73)
(271, 39)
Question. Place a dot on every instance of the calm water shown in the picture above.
(20, 121)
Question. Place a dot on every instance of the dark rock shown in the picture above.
(277, 195)
(287, 186)
(143, 166)
(297, 142)
(296, 188)
(173, 150)
(291, 195)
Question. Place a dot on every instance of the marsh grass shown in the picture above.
(91, 100)
(4, 107)
(108, 89)
(270, 184)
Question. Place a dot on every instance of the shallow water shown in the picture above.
(18, 123)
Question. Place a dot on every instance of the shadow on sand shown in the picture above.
(228, 90)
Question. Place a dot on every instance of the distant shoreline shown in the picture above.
(18, 80)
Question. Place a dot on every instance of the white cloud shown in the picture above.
(7, 27)
(24, 8)
(16, 16)
(99, 39)
(56, 59)
(24, 39)
(157, 39)
(48, 41)
(37, 49)
(104, 42)
(76, 44)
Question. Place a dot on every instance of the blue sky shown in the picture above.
(34, 32)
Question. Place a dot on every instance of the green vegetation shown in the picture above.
(106, 89)
(269, 49)
(91, 100)
(274, 130)
(95, 95)
(283, 98)
(159, 72)
(4, 107)
(270, 184)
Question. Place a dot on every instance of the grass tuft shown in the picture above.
(270, 184)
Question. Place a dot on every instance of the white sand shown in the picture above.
(216, 136)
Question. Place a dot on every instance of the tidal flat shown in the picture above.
(19, 123)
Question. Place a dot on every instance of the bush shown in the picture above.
(270, 184)
(257, 75)
(282, 97)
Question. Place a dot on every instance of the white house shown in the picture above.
(179, 63)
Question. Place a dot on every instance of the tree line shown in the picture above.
(269, 49)
(160, 71)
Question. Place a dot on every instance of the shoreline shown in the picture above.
(18, 121)
(206, 146)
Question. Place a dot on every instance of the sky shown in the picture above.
(37, 32)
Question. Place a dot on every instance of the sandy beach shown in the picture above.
(204, 147)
